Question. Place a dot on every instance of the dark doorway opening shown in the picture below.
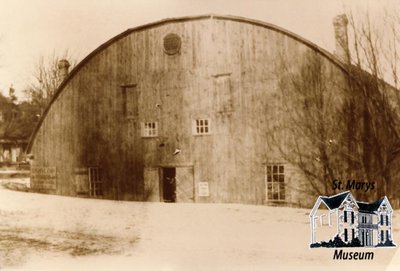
(169, 184)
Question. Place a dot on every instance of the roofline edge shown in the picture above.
(125, 33)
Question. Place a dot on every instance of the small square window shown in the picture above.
(149, 129)
(201, 127)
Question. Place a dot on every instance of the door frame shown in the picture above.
(162, 184)
(177, 167)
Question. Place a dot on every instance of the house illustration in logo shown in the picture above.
(340, 221)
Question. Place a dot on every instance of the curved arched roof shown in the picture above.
(273, 27)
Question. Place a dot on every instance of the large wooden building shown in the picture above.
(176, 110)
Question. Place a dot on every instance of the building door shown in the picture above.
(366, 237)
(169, 184)
(152, 184)
(369, 237)
(363, 238)
(184, 184)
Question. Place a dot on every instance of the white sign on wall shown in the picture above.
(203, 189)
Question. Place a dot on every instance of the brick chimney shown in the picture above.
(63, 66)
(340, 23)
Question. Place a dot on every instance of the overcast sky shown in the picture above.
(34, 28)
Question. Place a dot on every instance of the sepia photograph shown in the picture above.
(199, 135)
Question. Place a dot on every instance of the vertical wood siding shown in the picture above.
(86, 125)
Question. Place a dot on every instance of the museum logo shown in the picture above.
(339, 221)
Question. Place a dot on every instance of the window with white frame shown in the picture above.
(149, 129)
(275, 182)
(201, 127)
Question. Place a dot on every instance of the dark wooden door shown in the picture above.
(169, 184)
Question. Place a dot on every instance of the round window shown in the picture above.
(172, 44)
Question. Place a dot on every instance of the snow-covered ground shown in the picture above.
(45, 232)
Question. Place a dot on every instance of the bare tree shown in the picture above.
(343, 125)
(313, 119)
(375, 61)
(47, 79)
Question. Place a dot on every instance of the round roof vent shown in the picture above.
(172, 44)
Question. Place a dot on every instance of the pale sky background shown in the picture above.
(34, 28)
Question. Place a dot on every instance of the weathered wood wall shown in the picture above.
(226, 71)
